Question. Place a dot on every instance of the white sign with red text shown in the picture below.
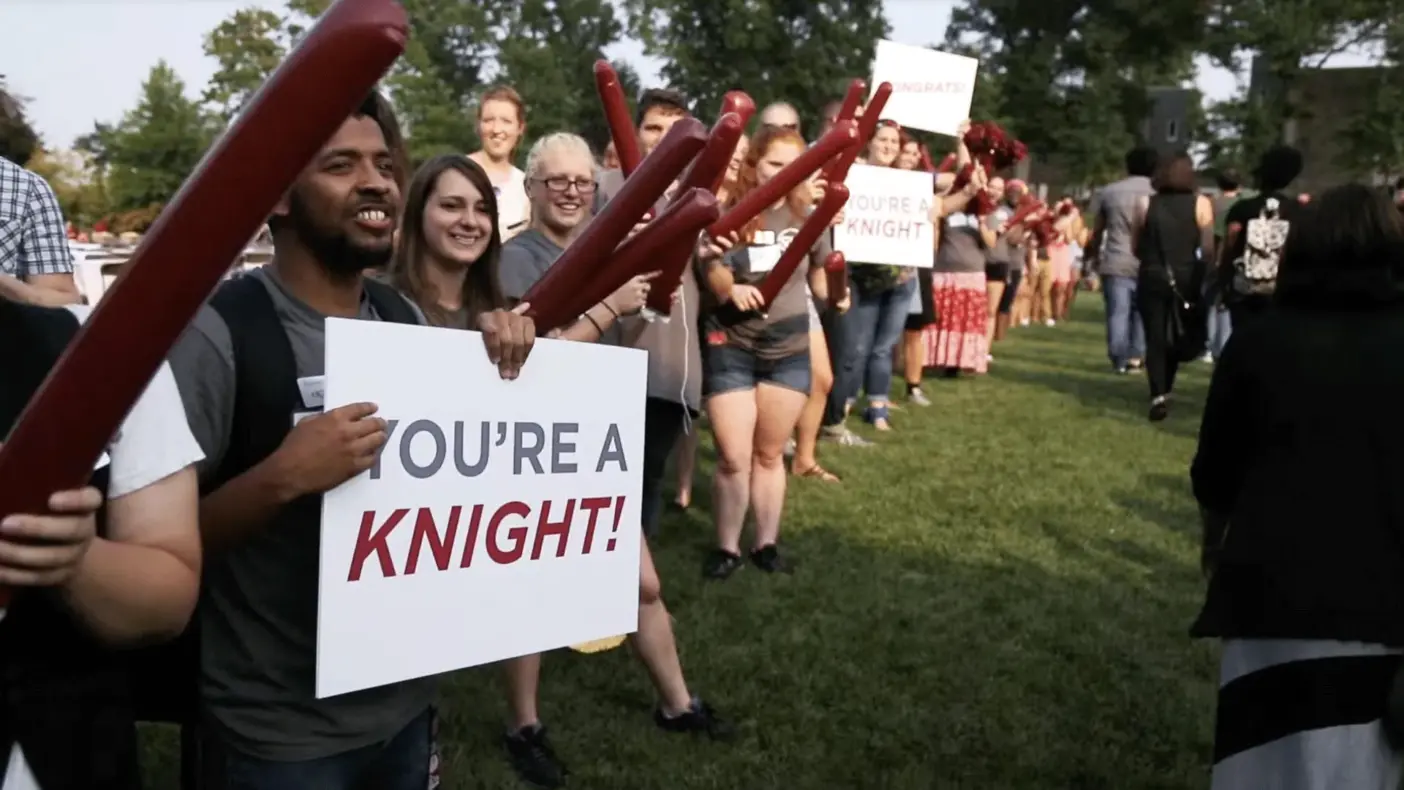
(887, 218)
(500, 519)
(931, 90)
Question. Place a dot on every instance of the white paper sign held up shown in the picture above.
(931, 90)
(887, 218)
(501, 518)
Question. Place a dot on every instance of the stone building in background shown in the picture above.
(1327, 102)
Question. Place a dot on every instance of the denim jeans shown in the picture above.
(877, 323)
(1126, 335)
(1220, 327)
(838, 335)
(401, 763)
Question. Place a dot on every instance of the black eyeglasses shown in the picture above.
(561, 184)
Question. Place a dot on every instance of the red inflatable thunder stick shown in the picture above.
(561, 295)
(867, 125)
(840, 140)
(191, 246)
(818, 222)
(621, 125)
(684, 218)
(836, 267)
(707, 172)
(847, 111)
(740, 104)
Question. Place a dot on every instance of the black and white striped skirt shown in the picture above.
(1301, 714)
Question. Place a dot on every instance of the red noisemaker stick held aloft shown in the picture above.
(1024, 212)
(707, 172)
(191, 247)
(616, 108)
(867, 126)
(847, 111)
(947, 164)
(851, 100)
(739, 103)
(818, 222)
(836, 268)
(839, 140)
(555, 299)
(684, 218)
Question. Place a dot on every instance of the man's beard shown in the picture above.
(332, 248)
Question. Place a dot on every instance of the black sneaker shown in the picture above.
(720, 564)
(533, 758)
(768, 559)
(698, 718)
(1159, 409)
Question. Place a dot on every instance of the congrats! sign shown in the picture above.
(501, 518)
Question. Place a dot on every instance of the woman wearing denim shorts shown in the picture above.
(755, 357)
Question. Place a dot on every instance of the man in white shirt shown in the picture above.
(128, 574)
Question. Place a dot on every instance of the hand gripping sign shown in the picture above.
(191, 246)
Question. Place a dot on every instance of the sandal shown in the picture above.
(818, 472)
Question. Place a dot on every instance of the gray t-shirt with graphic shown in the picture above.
(258, 611)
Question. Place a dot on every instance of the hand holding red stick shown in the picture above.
(867, 125)
(740, 104)
(188, 250)
(835, 196)
(556, 297)
(616, 108)
(847, 112)
(836, 269)
(707, 172)
(682, 220)
(840, 140)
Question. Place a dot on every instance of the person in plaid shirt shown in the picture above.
(36, 265)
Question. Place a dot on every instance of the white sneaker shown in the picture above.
(1023, 322)
(1050, 322)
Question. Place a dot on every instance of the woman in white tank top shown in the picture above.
(501, 124)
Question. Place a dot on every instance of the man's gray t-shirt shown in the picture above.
(525, 260)
(1115, 206)
(258, 611)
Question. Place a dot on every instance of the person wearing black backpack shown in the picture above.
(1255, 232)
(250, 370)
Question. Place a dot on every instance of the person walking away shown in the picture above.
(1174, 231)
(1297, 472)
(1111, 257)
(1256, 230)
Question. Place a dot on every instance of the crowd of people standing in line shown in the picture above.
(212, 486)
(211, 481)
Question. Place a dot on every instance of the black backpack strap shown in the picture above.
(389, 304)
(265, 375)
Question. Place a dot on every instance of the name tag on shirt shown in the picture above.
(299, 416)
(763, 259)
(314, 391)
(962, 221)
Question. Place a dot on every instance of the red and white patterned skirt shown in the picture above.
(957, 339)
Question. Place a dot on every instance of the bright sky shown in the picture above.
(84, 60)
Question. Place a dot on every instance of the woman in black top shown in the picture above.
(1298, 472)
(1174, 237)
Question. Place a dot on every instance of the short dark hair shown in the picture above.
(1346, 247)
(1177, 174)
(375, 107)
(1142, 161)
(1279, 166)
(1228, 180)
(660, 98)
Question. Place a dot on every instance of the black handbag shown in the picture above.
(1187, 336)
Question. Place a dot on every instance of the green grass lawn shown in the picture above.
(995, 597)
